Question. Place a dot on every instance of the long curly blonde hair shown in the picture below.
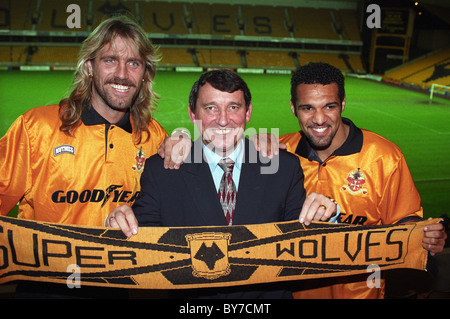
(142, 109)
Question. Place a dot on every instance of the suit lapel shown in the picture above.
(200, 185)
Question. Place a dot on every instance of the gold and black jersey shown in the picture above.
(369, 178)
(76, 179)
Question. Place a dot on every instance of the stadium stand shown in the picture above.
(64, 55)
(20, 16)
(188, 34)
(218, 57)
(272, 58)
(13, 54)
(309, 28)
(334, 59)
(167, 18)
(421, 73)
(175, 56)
(424, 71)
(53, 15)
(264, 21)
(348, 24)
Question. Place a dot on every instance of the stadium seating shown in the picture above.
(432, 68)
(63, 55)
(13, 54)
(347, 19)
(218, 57)
(19, 15)
(175, 56)
(264, 21)
(271, 58)
(166, 19)
(308, 27)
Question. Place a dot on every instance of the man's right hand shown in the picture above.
(123, 217)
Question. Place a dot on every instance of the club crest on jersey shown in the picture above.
(140, 160)
(355, 181)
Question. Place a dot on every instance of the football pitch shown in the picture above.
(420, 129)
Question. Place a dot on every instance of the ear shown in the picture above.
(89, 67)
(293, 109)
(191, 115)
(248, 113)
(343, 105)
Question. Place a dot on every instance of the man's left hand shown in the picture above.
(434, 237)
(175, 149)
(317, 207)
(267, 144)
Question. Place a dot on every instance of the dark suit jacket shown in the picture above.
(188, 197)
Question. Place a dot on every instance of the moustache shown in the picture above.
(120, 81)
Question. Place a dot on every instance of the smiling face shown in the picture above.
(117, 78)
(318, 109)
(222, 117)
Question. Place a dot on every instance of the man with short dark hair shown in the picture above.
(365, 173)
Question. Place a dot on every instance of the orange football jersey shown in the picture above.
(370, 180)
(76, 179)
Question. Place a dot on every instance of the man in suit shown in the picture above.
(258, 191)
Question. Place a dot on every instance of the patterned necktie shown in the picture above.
(227, 189)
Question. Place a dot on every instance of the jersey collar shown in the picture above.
(353, 144)
(90, 116)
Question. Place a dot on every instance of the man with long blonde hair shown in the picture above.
(86, 88)
(73, 163)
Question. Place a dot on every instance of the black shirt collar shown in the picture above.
(353, 144)
(90, 116)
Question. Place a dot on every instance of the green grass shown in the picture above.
(421, 130)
